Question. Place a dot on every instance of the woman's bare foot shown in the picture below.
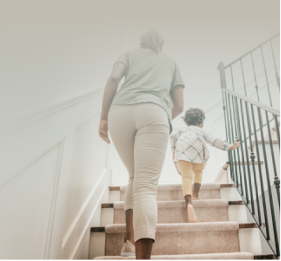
(195, 198)
(191, 216)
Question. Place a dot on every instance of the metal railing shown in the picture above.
(259, 53)
(252, 172)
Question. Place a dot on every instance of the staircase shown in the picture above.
(239, 220)
(216, 236)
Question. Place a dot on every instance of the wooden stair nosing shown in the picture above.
(227, 186)
(112, 188)
(266, 142)
(238, 202)
(241, 226)
(107, 205)
(265, 257)
(97, 229)
(248, 225)
(116, 188)
(245, 162)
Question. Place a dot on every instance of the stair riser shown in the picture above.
(179, 215)
(228, 256)
(179, 243)
(177, 194)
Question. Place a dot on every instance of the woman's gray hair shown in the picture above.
(152, 40)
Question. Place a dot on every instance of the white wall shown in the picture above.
(55, 57)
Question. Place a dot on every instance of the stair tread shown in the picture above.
(181, 227)
(182, 204)
(234, 255)
(206, 186)
(266, 142)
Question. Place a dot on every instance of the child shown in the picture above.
(191, 154)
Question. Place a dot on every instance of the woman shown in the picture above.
(140, 122)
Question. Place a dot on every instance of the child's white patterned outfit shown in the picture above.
(190, 145)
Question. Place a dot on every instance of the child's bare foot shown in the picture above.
(191, 216)
(195, 192)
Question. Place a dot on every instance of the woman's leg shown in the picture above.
(150, 149)
(187, 177)
(122, 132)
(198, 170)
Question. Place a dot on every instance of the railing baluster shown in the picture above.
(229, 140)
(268, 185)
(277, 179)
(267, 84)
(236, 137)
(253, 163)
(256, 84)
(241, 148)
(236, 134)
(244, 84)
(232, 140)
(276, 71)
(244, 55)
(260, 175)
(247, 158)
(223, 86)
(233, 88)
(276, 176)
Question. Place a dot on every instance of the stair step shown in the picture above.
(212, 210)
(221, 256)
(118, 188)
(174, 192)
(266, 142)
(172, 239)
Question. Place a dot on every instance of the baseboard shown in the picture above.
(83, 220)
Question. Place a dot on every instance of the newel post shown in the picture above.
(277, 187)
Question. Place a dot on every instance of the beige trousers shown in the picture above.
(187, 169)
(140, 135)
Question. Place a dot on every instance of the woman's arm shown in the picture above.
(115, 77)
(177, 97)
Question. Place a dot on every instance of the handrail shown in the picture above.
(235, 61)
(248, 85)
(264, 65)
(258, 104)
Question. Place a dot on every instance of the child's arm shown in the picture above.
(219, 143)
(173, 140)
(235, 145)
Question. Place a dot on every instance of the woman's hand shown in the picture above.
(235, 145)
(103, 131)
(110, 89)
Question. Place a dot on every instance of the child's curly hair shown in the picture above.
(194, 116)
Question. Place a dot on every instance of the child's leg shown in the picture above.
(187, 176)
(198, 170)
